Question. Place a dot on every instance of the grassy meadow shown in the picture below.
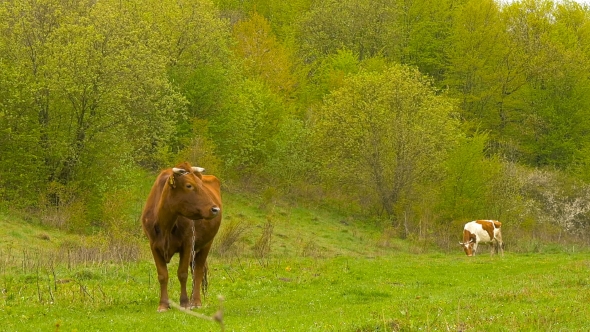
(312, 271)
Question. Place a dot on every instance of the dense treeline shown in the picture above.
(422, 114)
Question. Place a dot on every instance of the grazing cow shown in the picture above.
(182, 215)
(482, 231)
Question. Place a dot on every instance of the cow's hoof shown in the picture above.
(163, 308)
(197, 305)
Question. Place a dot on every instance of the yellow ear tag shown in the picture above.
(171, 180)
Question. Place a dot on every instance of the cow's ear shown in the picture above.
(172, 181)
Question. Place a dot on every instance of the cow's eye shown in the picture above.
(189, 186)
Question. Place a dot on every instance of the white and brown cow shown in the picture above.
(482, 231)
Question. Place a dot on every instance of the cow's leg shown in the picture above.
(500, 243)
(163, 279)
(500, 249)
(183, 264)
(198, 273)
(474, 248)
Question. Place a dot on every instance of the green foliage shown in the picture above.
(366, 27)
(557, 95)
(201, 149)
(425, 29)
(332, 71)
(467, 189)
(517, 73)
(282, 16)
(381, 134)
(291, 97)
(196, 43)
(315, 100)
(476, 74)
(289, 156)
(87, 96)
(246, 127)
(263, 56)
(98, 93)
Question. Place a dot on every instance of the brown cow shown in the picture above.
(182, 215)
(482, 231)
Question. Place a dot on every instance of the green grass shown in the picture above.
(548, 292)
(346, 282)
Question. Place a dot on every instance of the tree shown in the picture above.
(383, 133)
(517, 71)
(246, 127)
(547, 121)
(282, 15)
(367, 28)
(196, 42)
(96, 97)
(329, 74)
(480, 67)
(263, 56)
(425, 28)
(467, 188)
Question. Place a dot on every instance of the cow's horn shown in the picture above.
(198, 169)
(178, 170)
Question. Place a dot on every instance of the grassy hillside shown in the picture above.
(304, 231)
(18, 235)
(324, 272)
(251, 228)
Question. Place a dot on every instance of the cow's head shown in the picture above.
(468, 247)
(187, 195)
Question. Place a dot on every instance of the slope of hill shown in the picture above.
(250, 228)
(324, 271)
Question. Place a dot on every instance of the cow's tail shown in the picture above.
(205, 283)
(166, 247)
